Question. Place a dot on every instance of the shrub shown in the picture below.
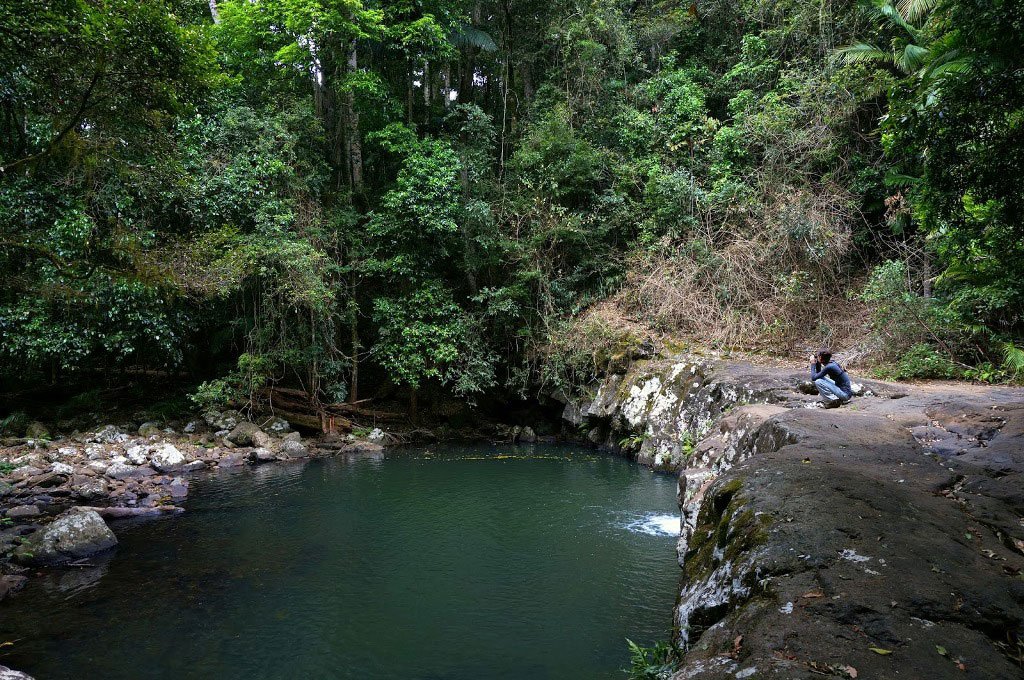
(921, 361)
(651, 663)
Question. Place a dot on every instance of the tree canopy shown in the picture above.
(479, 195)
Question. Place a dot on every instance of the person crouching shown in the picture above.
(832, 381)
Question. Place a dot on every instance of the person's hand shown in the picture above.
(814, 359)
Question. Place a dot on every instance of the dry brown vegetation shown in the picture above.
(782, 285)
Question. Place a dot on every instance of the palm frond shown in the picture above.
(895, 179)
(912, 58)
(860, 52)
(892, 14)
(915, 10)
(956, 67)
(465, 36)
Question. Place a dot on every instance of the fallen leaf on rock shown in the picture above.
(941, 650)
(813, 594)
(736, 645)
(829, 669)
(879, 650)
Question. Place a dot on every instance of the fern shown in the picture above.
(1013, 359)
(651, 663)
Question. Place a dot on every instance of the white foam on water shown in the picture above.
(656, 525)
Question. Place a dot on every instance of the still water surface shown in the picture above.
(441, 563)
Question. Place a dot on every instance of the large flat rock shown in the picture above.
(851, 544)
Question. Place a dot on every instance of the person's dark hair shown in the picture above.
(825, 356)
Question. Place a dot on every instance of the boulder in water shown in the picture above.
(261, 456)
(231, 460)
(72, 536)
(294, 449)
(11, 584)
(178, 488)
(9, 674)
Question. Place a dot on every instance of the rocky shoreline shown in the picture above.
(883, 539)
(56, 494)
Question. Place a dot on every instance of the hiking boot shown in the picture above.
(831, 403)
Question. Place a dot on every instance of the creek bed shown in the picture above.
(445, 562)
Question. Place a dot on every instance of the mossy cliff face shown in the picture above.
(720, 569)
(658, 410)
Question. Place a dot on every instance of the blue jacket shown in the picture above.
(834, 371)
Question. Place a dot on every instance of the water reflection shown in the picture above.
(449, 562)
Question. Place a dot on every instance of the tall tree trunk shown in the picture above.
(332, 116)
(355, 145)
(926, 273)
(467, 242)
(408, 91)
(353, 391)
(446, 85)
(466, 77)
(213, 11)
(426, 92)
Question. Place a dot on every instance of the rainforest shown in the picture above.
(397, 285)
(470, 198)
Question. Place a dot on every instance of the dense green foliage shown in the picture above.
(467, 194)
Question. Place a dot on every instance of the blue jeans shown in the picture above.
(830, 390)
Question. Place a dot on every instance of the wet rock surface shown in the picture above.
(72, 536)
(879, 540)
(826, 554)
(8, 674)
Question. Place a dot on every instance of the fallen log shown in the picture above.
(313, 421)
(365, 412)
(304, 396)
